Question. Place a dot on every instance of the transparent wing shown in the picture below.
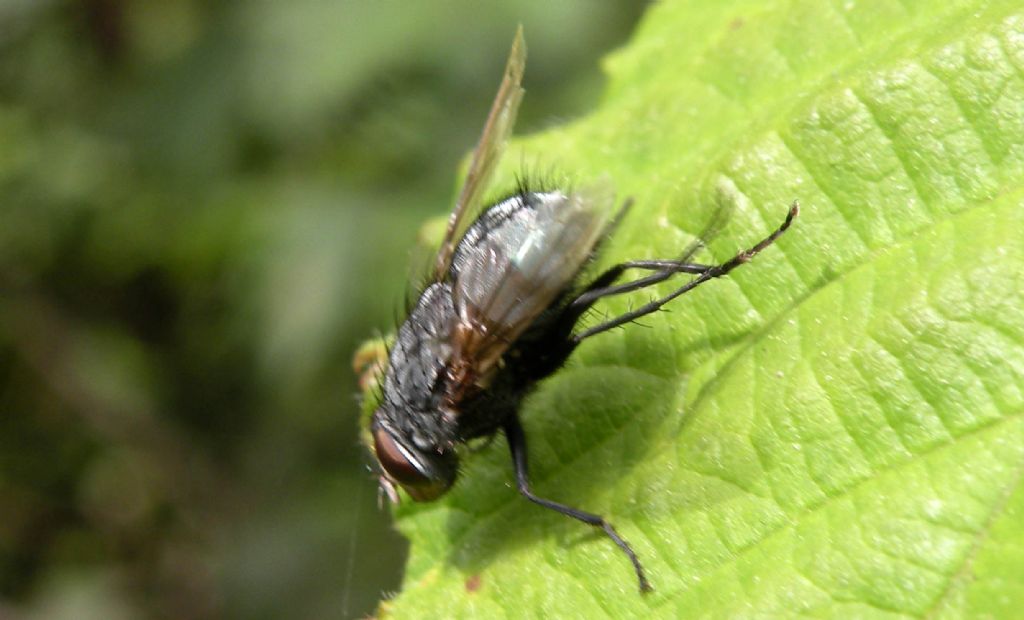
(508, 276)
(488, 151)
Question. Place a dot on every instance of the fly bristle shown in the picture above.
(534, 179)
(396, 318)
(379, 387)
(408, 300)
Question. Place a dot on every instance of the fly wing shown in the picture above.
(488, 151)
(509, 274)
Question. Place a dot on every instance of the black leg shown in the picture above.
(517, 445)
(602, 287)
(714, 271)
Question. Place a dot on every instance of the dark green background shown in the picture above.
(204, 209)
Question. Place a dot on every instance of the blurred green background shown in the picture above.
(204, 209)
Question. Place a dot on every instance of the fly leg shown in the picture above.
(603, 287)
(517, 445)
(604, 284)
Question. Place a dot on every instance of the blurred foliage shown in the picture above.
(204, 208)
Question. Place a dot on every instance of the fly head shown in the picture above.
(425, 472)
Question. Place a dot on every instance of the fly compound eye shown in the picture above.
(400, 462)
(425, 476)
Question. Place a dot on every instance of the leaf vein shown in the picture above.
(897, 151)
(962, 574)
(849, 491)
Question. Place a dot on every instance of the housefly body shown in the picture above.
(500, 313)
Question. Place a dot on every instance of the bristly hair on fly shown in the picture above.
(503, 309)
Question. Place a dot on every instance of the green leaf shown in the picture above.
(835, 429)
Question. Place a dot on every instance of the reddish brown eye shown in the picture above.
(397, 462)
(424, 477)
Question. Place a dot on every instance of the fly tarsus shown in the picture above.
(602, 286)
(517, 446)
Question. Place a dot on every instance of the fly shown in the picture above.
(500, 313)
